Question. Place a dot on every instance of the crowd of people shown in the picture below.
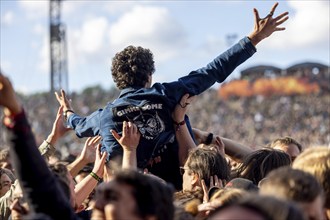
(144, 155)
(306, 117)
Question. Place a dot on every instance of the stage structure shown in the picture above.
(58, 48)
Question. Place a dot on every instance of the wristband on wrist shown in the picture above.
(177, 125)
(65, 113)
(68, 110)
(209, 139)
(95, 176)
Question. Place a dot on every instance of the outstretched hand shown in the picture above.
(88, 153)
(8, 97)
(264, 27)
(214, 182)
(63, 100)
(182, 107)
(100, 158)
(58, 130)
(220, 146)
(130, 136)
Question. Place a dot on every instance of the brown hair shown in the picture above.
(132, 67)
(268, 207)
(292, 184)
(206, 163)
(287, 141)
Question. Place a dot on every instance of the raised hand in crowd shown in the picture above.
(86, 156)
(232, 148)
(181, 108)
(85, 187)
(264, 27)
(64, 102)
(214, 182)
(129, 140)
(8, 98)
(215, 144)
(31, 168)
(219, 146)
(207, 206)
(48, 147)
(185, 141)
(58, 130)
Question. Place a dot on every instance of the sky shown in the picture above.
(183, 36)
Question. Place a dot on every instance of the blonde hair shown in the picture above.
(316, 161)
(228, 195)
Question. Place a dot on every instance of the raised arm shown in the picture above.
(8, 98)
(65, 103)
(86, 156)
(83, 126)
(86, 186)
(264, 27)
(37, 181)
(183, 137)
(223, 65)
(47, 148)
(233, 148)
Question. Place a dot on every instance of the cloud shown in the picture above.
(308, 26)
(6, 66)
(92, 35)
(87, 43)
(39, 29)
(70, 7)
(117, 7)
(44, 56)
(7, 18)
(34, 9)
(151, 27)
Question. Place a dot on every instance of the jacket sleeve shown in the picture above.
(218, 70)
(86, 126)
(39, 185)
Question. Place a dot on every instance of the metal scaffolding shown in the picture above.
(58, 48)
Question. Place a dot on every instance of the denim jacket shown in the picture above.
(150, 108)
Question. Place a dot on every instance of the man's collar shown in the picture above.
(125, 91)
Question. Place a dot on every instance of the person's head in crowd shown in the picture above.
(133, 195)
(66, 182)
(297, 186)
(316, 161)
(256, 165)
(133, 67)
(288, 145)
(20, 209)
(19, 206)
(5, 159)
(202, 164)
(258, 207)
(241, 183)
(6, 179)
(188, 200)
(226, 196)
(184, 196)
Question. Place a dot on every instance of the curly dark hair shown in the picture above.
(132, 67)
